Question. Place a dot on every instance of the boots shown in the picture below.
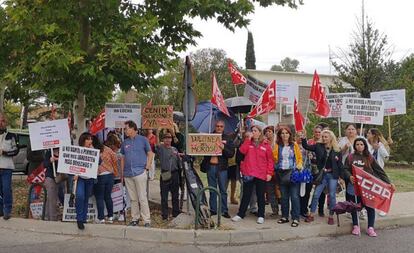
(233, 184)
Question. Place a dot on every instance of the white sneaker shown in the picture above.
(260, 220)
(110, 220)
(236, 218)
(101, 221)
(382, 214)
(121, 217)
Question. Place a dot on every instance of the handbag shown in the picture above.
(284, 176)
(166, 175)
(317, 180)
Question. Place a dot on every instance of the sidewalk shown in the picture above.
(246, 231)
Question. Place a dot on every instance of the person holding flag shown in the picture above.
(363, 159)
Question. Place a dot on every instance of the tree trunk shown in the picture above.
(79, 116)
(2, 91)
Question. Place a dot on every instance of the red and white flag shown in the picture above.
(98, 124)
(266, 102)
(318, 95)
(236, 77)
(217, 98)
(38, 175)
(299, 119)
(374, 192)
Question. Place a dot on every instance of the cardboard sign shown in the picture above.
(36, 209)
(286, 92)
(80, 161)
(49, 134)
(116, 114)
(69, 211)
(362, 110)
(335, 102)
(204, 144)
(394, 101)
(158, 116)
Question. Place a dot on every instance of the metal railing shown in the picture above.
(198, 201)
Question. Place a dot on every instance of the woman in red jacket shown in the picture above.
(257, 169)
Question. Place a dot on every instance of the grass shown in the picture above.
(402, 178)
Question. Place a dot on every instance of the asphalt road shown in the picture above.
(391, 240)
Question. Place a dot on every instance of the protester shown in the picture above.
(217, 170)
(103, 188)
(8, 149)
(346, 143)
(311, 164)
(233, 178)
(152, 139)
(137, 159)
(378, 146)
(362, 158)
(52, 188)
(257, 169)
(170, 173)
(84, 186)
(329, 163)
(288, 157)
(271, 185)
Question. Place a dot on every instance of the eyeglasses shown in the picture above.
(221, 126)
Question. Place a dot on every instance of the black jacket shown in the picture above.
(228, 152)
(320, 151)
(372, 168)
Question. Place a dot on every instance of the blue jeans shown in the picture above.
(331, 183)
(290, 192)
(214, 173)
(83, 191)
(103, 190)
(6, 196)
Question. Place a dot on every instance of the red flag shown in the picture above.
(38, 175)
(299, 119)
(99, 123)
(266, 102)
(236, 77)
(217, 98)
(315, 89)
(322, 106)
(374, 192)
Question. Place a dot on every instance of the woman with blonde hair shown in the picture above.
(378, 146)
(329, 164)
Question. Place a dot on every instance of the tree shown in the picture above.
(287, 65)
(250, 56)
(364, 65)
(77, 48)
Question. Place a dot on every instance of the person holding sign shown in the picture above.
(362, 158)
(52, 187)
(8, 148)
(217, 170)
(329, 164)
(84, 186)
(257, 169)
(137, 159)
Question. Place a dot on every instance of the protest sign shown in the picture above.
(286, 92)
(204, 144)
(69, 211)
(394, 101)
(49, 134)
(157, 116)
(335, 102)
(116, 114)
(80, 161)
(254, 89)
(36, 209)
(362, 110)
(118, 192)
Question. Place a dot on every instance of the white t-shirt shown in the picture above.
(285, 157)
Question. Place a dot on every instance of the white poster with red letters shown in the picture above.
(49, 134)
(80, 161)
(362, 110)
(394, 101)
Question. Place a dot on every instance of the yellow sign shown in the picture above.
(204, 144)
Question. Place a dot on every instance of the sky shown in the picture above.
(307, 33)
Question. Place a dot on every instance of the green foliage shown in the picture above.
(287, 65)
(250, 55)
(12, 111)
(276, 68)
(365, 65)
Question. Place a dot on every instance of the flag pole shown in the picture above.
(339, 127)
(235, 88)
(362, 127)
(306, 114)
(211, 115)
(389, 127)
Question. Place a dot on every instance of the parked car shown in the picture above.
(20, 160)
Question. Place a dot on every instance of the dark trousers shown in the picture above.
(83, 191)
(6, 195)
(247, 192)
(370, 213)
(103, 191)
(304, 201)
(290, 192)
(166, 187)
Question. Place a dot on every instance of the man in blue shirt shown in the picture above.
(136, 160)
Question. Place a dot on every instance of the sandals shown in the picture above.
(295, 223)
(283, 220)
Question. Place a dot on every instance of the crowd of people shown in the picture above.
(262, 160)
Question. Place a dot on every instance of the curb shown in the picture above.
(197, 237)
